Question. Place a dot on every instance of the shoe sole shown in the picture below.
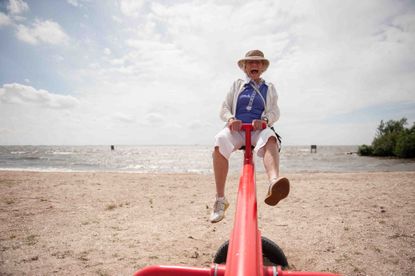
(278, 191)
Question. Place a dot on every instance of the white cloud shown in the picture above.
(131, 7)
(153, 119)
(107, 51)
(116, 19)
(5, 131)
(47, 31)
(74, 3)
(5, 19)
(24, 34)
(16, 7)
(125, 118)
(15, 93)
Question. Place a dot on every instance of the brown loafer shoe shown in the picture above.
(277, 191)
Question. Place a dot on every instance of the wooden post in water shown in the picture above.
(313, 148)
(112, 147)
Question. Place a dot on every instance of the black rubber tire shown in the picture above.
(271, 252)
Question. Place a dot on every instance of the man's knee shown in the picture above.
(215, 151)
(217, 154)
(272, 145)
(272, 141)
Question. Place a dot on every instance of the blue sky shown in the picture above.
(156, 72)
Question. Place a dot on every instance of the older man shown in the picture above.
(254, 101)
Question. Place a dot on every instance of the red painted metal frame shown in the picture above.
(245, 248)
(244, 256)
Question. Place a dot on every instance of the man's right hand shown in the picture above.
(235, 125)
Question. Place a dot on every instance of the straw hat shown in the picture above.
(253, 55)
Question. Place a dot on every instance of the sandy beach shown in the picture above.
(116, 223)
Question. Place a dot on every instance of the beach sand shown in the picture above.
(116, 223)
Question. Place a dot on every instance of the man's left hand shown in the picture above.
(257, 124)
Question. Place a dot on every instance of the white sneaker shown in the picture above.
(218, 213)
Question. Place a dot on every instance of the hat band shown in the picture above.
(254, 58)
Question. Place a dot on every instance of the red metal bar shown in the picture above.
(217, 270)
(245, 249)
(272, 271)
(244, 246)
(164, 270)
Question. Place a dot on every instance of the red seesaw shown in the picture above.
(244, 255)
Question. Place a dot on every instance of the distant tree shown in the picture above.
(405, 144)
(392, 139)
(391, 126)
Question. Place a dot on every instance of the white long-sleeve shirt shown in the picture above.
(271, 112)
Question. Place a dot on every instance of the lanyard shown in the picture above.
(251, 99)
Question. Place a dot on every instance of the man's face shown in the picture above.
(254, 69)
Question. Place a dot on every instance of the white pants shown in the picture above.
(229, 141)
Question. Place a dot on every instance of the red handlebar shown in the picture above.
(248, 152)
(246, 126)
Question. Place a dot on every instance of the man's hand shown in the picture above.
(257, 124)
(235, 125)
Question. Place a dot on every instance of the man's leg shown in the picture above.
(279, 188)
(220, 168)
(272, 159)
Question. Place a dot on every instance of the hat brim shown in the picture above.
(241, 62)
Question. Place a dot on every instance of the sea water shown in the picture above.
(186, 159)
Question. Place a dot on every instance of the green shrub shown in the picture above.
(392, 139)
(405, 145)
(385, 144)
(365, 150)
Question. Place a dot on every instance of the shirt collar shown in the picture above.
(249, 80)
